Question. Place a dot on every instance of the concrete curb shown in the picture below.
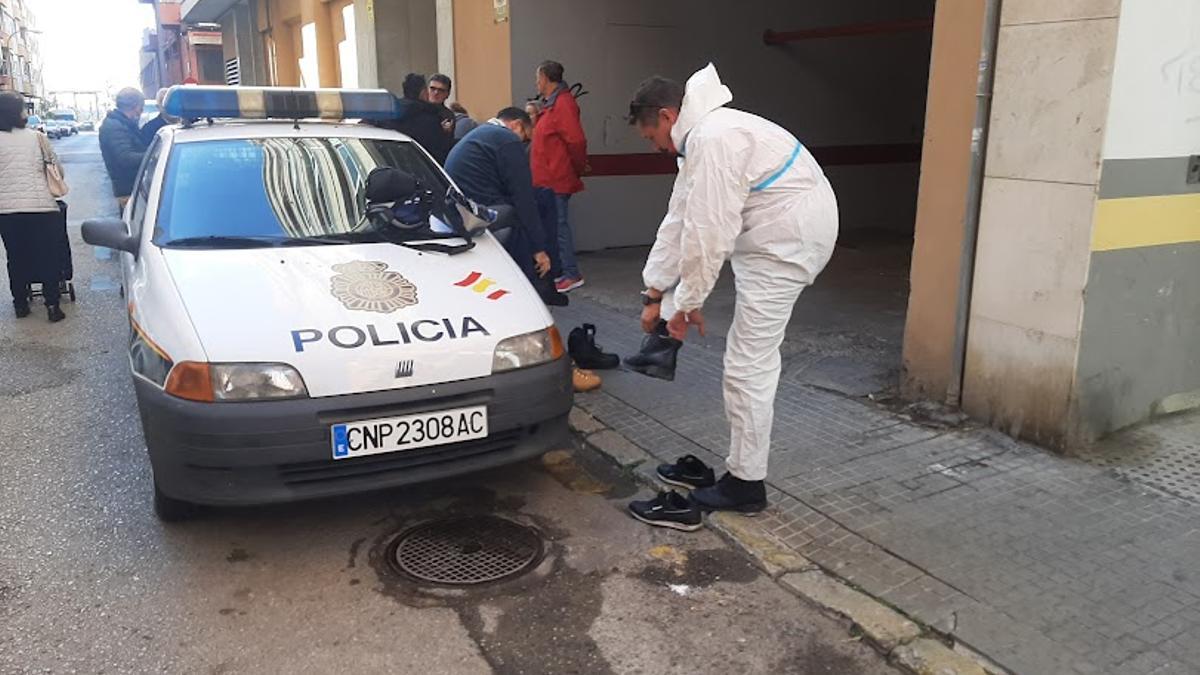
(908, 644)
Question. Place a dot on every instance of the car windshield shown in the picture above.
(242, 193)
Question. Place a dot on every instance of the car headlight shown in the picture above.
(235, 381)
(530, 349)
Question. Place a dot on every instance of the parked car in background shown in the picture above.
(36, 123)
(57, 128)
(87, 126)
(68, 117)
(149, 112)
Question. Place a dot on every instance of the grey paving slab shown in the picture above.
(1043, 563)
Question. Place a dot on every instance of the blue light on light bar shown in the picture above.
(198, 102)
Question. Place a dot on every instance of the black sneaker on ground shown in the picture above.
(658, 355)
(668, 509)
(583, 349)
(55, 313)
(732, 494)
(22, 310)
(687, 471)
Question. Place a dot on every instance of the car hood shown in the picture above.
(351, 318)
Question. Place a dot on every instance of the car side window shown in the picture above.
(141, 195)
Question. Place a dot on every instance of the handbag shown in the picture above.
(54, 177)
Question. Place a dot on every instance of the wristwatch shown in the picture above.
(647, 300)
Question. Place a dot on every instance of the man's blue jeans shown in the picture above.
(566, 240)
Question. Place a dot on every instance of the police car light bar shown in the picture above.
(198, 102)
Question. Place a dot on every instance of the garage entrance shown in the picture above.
(849, 79)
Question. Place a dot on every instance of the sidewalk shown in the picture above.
(1042, 563)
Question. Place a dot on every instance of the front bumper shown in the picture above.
(275, 451)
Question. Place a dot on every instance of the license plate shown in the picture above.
(423, 430)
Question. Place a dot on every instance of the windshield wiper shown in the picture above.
(224, 241)
(263, 241)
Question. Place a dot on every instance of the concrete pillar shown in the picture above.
(482, 59)
(364, 27)
(317, 12)
(931, 340)
(1051, 93)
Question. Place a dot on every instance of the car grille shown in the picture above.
(328, 471)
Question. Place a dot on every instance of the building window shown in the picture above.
(210, 64)
(309, 74)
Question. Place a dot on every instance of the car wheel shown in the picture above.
(171, 510)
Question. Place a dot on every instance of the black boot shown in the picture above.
(21, 308)
(732, 494)
(658, 355)
(55, 313)
(549, 294)
(582, 346)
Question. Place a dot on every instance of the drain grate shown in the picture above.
(466, 551)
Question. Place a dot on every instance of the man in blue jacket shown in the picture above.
(490, 166)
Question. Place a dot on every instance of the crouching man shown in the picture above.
(748, 192)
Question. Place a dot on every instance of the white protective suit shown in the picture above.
(747, 191)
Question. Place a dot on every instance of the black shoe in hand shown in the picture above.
(549, 294)
(658, 355)
(582, 346)
(668, 509)
(687, 471)
(732, 494)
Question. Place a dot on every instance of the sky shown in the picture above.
(90, 44)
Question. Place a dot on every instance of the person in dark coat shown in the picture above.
(421, 120)
(162, 119)
(121, 143)
(490, 166)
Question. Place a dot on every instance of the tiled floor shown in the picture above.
(1043, 563)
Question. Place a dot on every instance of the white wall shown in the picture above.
(843, 91)
(1155, 109)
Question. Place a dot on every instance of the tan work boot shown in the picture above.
(584, 380)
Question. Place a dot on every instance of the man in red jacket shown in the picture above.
(558, 157)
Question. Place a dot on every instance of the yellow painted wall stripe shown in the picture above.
(1146, 221)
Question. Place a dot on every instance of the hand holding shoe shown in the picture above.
(541, 263)
(651, 315)
(678, 325)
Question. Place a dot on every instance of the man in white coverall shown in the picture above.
(749, 192)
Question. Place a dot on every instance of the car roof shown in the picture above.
(236, 129)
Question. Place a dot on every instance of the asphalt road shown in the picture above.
(91, 582)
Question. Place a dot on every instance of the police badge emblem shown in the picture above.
(369, 286)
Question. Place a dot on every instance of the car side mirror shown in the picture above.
(110, 233)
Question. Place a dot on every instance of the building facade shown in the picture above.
(20, 56)
(176, 52)
(1030, 168)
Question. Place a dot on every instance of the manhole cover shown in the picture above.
(466, 551)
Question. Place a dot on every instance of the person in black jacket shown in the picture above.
(490, 166)
(121, 143)
(150, 128)
(421, 120)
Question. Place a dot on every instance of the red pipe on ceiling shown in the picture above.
(771, 37)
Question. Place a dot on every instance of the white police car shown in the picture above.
(282, 347)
